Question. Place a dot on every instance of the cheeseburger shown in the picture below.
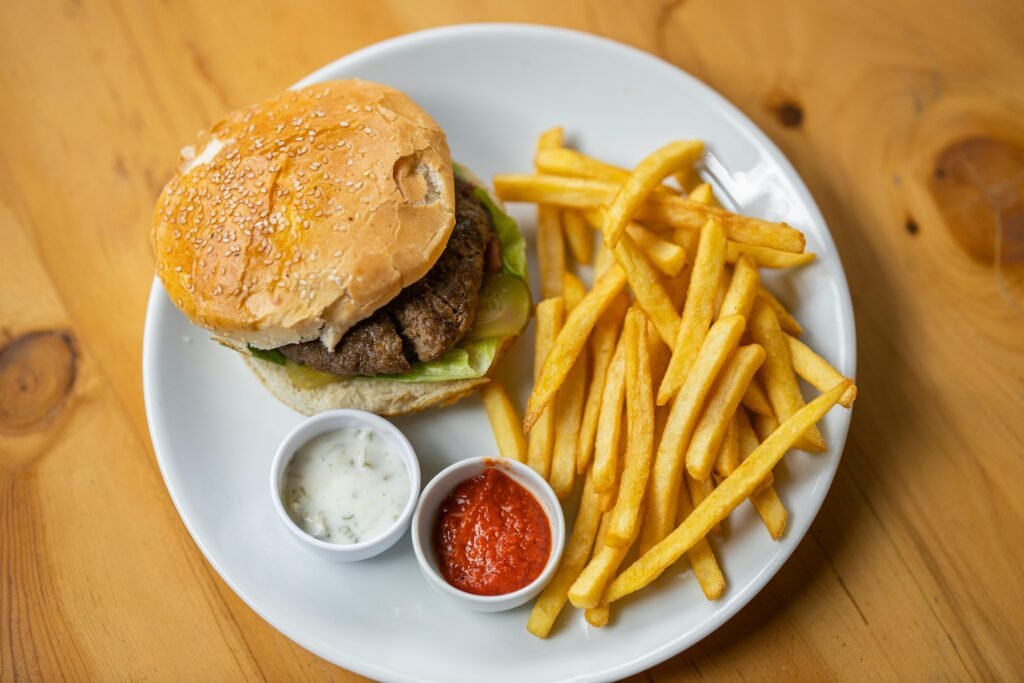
(327, 236)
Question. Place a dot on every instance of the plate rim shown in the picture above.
(798, 530)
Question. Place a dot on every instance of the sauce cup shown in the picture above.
(425, 520)
(330, 421)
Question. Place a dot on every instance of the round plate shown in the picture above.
(493, 88)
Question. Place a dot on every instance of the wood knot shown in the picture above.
(978, 185)
(787, 111)
(37, 372)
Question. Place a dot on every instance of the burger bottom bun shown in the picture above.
(380, 396)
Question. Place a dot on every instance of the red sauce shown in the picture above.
(492, 535)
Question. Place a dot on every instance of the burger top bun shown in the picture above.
(294, 219)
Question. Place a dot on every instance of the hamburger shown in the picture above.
(327, 236)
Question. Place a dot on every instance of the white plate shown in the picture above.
(493, 88)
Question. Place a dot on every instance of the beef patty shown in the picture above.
(428, 318)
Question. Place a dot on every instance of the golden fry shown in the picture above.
(724, 499)
(648, 174)
(567, 428)
(786, 320)
(728, 457)
(668, 257)
(779, 380)
(504, 418)
(550, 313)
(586, 592)
(699, 490)
(756, 400)
(698, 309)
(639, 432)
(817, 371)
(720, 408)
(678, 212)
(550, 251)
(609, 421)
(578, 235)
(552, 138)
(665, 255)
(765, 425)
(573, 290)
(603, 343)
(571, 340)
(661, 503)
(598, 616)
(701, 556)
(704, 194)
(603, 261)
(647, 288)
(748, 443)
(766, 257)
(742, 291)
(574, 558)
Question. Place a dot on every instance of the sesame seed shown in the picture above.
(344, 124)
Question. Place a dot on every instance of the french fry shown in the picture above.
(609, 421)
(550, 243)
(779, 380)
(504, 418)
(701, 556)
(648, 174)
(567, 428)
(573, 290)
(550, 313)
(603, 343)
(550, 251)
(688, 179)
(570, 342)
(604, 260)
(764, 499)
(728, 457)
(578, 235)
(586, 592)
(698, 309)
(720, 408)
(817, 371)
(665, 255)
(702, 193)
(668, 257)
(786, 320)
(771, 510)
(639, 433)
(720, 292)
(724, 499)
(569, 162)
(756, 400)
(577, 551)
(749, 441)
(765, 425)
(647, 288)
(699, 490)
(742, 291)
(552, 138)
(661, 502)
(598, 616)
(763, 257)
(678, 212)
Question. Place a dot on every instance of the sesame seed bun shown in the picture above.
(296, 218)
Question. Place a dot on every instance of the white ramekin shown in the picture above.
(345, 419)
(425, 520)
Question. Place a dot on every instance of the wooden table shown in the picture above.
(906, 119)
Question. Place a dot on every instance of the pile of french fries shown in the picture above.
(670, 387)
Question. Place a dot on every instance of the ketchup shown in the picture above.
(492, 535)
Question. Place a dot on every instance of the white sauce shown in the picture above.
(346, 486)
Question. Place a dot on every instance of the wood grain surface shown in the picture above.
(905, 118)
